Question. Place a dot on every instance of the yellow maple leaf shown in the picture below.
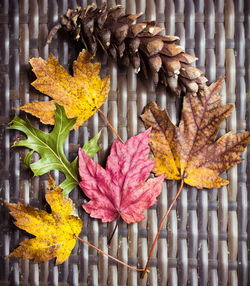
(190, 152)
(55, 233)
(81, 94)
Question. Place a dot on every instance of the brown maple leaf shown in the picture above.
(81, 94)
(190, 151)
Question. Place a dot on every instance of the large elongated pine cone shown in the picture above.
(130, 43)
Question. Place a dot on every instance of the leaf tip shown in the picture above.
(147, 132)
(98, 135)
(6, 203)
(51, 183)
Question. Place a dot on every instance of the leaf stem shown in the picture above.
(161, 225)
(106, 254)
(109, 124)
(112, 234)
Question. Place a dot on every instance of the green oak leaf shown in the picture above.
(50, 148)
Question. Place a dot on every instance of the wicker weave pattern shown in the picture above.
(205, 240)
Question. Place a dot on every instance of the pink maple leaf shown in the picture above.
(121, 190)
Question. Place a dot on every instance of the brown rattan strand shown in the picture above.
(205, 240)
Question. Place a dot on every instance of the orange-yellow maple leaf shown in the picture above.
(55, 233)
(81, 94)
(190, 151)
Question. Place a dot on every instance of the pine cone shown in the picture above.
(129, 43)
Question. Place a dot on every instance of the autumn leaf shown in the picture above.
(55, 232)
(50, 148)
(190, 151)
(81, 94)
(120, 190)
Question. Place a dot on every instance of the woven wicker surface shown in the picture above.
(206, 240)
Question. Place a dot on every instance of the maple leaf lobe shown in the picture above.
(190, 151)
(44, 111)
(162, 141)
(121, 188)
(55, 233)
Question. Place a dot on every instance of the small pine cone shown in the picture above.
(129, 43)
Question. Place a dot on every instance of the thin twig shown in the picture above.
(106, 254)
(161, 225)
(109, 124)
